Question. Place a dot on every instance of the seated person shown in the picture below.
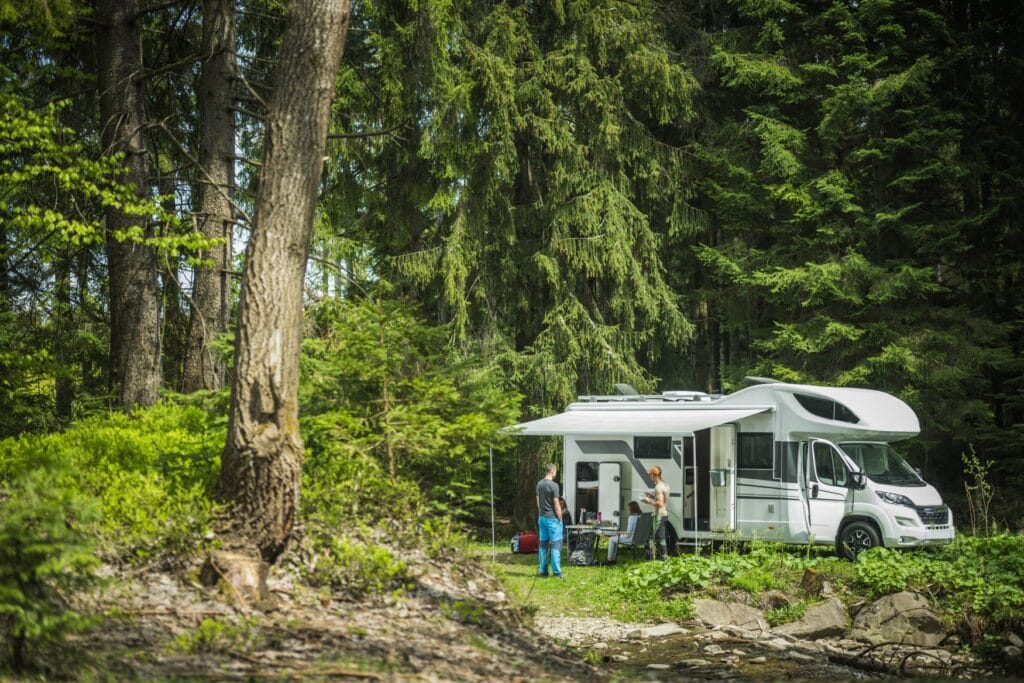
(566, 515)
(624, 536)
(569, 536)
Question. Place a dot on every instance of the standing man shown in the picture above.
(658, 499)
(549, 523)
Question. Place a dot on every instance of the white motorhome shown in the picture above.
(786, 462)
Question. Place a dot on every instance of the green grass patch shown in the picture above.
(584, 592)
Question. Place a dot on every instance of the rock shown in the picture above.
(902, 618)
(779, 644)
(1015, 640)
(618, 658)
(739, 653)
(692, 663)
(819, 621)
(713, 649)
(800, 657)
(659, 631)
(1012, 652)
(600, 646)
(717, 613)
(826, 588)
(812, 582)
(718, 635)
(658, 667)
(245, 576)
(774, 600)
(758, 660)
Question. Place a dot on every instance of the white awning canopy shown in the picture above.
(605, 420)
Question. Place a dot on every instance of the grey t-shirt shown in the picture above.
(547, 491)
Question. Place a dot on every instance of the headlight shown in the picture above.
(895, 498)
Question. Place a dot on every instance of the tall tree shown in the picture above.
(262, 461)
(861, 231)
(211, 285)
(132, 264)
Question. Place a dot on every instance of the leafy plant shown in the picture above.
(221, 635)
(979, 491)
(786, 614)
(45, 556)
(358, 567)
(152, 474)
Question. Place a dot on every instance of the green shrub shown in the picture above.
(45, 556)
(361, 568)
(786, 614)
(152, 473)
(754, 580)
(976, 579)
(221, 635)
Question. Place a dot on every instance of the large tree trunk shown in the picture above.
(262, 462)
(210, 293)
(134, 293)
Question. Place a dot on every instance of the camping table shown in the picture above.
(596, 531)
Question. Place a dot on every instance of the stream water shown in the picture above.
(683, 658)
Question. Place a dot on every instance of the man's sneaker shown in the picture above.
(544, 576)
(558, 576)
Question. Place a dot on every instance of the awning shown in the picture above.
(608, 421)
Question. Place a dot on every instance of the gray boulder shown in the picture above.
(718, 613)
(899, 618)
(819, 621)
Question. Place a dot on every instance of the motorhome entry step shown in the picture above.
(690, 544)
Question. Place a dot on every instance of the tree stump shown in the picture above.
(245, 576)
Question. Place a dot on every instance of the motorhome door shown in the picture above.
(723, 478)
(824, 488)
(609, 491)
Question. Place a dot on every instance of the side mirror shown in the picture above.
(857, 480)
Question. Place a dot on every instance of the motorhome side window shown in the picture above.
(826, 408)
(755, 451)
(652, 447)
(828, 466)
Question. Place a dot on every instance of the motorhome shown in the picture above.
(792, 463)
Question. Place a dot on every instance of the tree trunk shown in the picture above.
(64, 389)
(175, 324)
(134, 294)
(211, 288)
(262, 462)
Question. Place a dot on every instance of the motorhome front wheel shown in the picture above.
(855, 538)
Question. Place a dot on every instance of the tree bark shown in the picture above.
(134, 292)
(262, 462)
(211, 286)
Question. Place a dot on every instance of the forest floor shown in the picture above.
(454, 623)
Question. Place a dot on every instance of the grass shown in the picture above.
(584, 592)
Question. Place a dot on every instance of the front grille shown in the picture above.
(934, 515)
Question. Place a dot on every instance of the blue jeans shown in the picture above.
(549, 544)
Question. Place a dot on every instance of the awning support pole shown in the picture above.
(494, 546)
(696, 505)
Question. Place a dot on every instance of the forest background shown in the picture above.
(520, 202)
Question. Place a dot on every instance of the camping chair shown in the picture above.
(641, 535)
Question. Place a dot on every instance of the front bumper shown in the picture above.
(913, 527)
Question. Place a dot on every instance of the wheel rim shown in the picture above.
(858, 540)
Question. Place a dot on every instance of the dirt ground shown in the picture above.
(455, 624)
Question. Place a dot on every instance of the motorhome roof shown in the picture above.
(878, 414)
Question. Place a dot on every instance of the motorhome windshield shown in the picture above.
(882, 464)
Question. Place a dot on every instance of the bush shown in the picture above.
(360, 568)
(151, 472)
(45, 556)
(979, 580)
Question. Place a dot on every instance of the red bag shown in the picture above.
(524, 542)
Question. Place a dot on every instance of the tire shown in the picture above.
(855, 538)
